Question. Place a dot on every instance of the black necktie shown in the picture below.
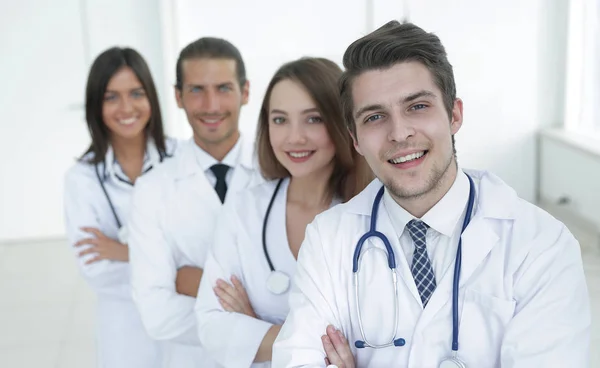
(220, 171)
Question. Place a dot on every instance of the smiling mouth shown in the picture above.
(302, 154)
(408, 158)
(213, 120)
(128, 121)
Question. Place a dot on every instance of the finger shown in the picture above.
(330, 351)
(327, 362)
(223, 295)
(95, 259)
(331, 332)
(86, 242)
(238, 286)
(94, 231)
(228, 288)
(342, 348)
(226, 306)
(88, 251)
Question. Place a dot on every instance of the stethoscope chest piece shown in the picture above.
(123, 235)
(452, 363)
(278, 282)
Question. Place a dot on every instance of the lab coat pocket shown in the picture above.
(482, 323)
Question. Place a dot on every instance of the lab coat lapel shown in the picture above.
(243, 172)
(190, 170)
(477, 242)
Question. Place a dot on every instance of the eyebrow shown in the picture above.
(131, 90)
(312, 109)
(221, 84)
(417, 95)
(368, 108)
(406, 99)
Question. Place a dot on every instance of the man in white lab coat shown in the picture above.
(522, 299)
(174, 208)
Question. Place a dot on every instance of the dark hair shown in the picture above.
(319, 77)
(212, 48)
(389, 45)
(102, 70)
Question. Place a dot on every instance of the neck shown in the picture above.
(419, 205)
(311, 190)
(220, 149)
(129, 149)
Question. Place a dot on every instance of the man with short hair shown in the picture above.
(479, 277)
(175, 207)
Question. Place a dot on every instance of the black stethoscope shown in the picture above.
(449, 362)
(123, 234)
(277, 282)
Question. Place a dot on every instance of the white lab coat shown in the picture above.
(121, 339)
(523, 299)
(238, 250)
(172, 224)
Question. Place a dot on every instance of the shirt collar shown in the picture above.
(443, 217)
(112, 167)
(205, 161)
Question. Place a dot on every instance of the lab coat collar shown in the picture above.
(498, 203)
(111, 166)
(443, 217)
(194, 160)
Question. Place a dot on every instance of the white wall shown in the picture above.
(268, 33)
(507, 56)
(570, 175)
(502, 53)
(47, 48)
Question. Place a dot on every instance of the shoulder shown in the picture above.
(161, 177)
(172, 146)
(531, 229)
(82, 171)
(254, 198)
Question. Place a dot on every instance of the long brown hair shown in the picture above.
(319, 77)
(102, 70)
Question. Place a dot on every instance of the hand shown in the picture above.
(234, 298)
(103, 246)
(337, 349)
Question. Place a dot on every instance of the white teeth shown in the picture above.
(412, 156)
(299, 154)
(211, 121)
(128, 121)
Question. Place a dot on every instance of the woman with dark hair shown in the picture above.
(305, 150)
(125, 125)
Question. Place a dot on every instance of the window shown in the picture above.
(582, 109)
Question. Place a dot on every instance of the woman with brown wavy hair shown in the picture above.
(306, 153)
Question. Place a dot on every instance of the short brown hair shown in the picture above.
(210, 48)
(389, 45)
(319, 77)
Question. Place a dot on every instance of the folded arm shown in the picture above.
(166, 314)
(312, 308)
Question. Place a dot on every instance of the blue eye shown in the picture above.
(225, 88)
(374, 117)
(278, 120)
(110, 97)
(194, 89)
(315, 119)
(138, 94)
(418, 107)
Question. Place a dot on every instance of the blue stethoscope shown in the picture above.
(449, 362)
